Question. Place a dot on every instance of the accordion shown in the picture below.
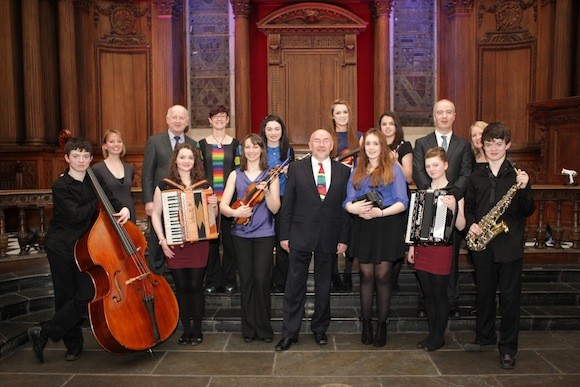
(188, 217)
(430, 221)
(372, 196)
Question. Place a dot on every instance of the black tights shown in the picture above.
(379, 276)
(436, 305)
(191, 299)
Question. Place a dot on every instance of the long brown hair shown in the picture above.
(399, 134)
(256, 140)
(351, 136)
(196, 173)
(383, 173)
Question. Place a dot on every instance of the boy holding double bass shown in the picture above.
(75, 206)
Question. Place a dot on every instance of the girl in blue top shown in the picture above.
(376, 237)
(273, 133)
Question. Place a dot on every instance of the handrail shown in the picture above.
(557, 205)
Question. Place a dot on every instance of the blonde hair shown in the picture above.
(477, 124)
(105, 138)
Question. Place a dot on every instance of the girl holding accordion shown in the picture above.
(376, 195)
(433, 262)
(188, 261)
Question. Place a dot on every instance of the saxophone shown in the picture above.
(488, 224)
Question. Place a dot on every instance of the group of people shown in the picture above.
(315, 207)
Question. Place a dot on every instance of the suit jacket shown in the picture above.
(459, 157)
(158, 152)
(306, 220)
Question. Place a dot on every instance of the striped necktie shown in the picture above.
(321, 182)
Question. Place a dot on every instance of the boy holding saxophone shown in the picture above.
(494, 194)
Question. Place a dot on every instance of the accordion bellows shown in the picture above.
(430, 221)
(188, 217)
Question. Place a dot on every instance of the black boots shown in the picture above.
(381, 335)
(367, 332)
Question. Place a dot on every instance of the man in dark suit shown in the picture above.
(459, 159)
(312, 221)
(158, 152)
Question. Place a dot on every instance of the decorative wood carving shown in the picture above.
(297, 36)
(381, 8)
(122, 17)
(316, 18)
(454, 7)
(241, 8)
(508, 18)
(168, 9)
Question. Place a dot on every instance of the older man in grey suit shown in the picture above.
(459, 159)
(158, 154)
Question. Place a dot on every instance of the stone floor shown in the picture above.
(223, 359)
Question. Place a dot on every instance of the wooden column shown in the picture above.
(10, 81)
(168, 55)
(33, 104)
(461, 63)
(562, 56)
(69, 107)
(242, 113)
(381, 10)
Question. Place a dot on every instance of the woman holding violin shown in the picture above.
(258, 199)
(187, 262)
(347, 139)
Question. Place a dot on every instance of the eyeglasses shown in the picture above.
(220, 115)
(318, 141)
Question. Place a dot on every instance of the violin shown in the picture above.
(346, 156)
(254, 194)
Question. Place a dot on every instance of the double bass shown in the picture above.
(133, 309)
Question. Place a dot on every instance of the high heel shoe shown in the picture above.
(367, 332)
(381, 335)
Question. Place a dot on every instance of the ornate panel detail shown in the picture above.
(168, 8)
(122, 18)
(508, 18)
(381, 8)
(454, 7)
(18, 174)
(241, 8)
(312, 17)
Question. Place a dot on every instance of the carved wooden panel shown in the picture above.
(311, 62)
(502, 94)
(124, 93)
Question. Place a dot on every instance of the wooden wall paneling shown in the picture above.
(321, 37)
(505, 85)
(123, 92)
(11, 97)
(559, 124)
(306, 107)
(123, 71)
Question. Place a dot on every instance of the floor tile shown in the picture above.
(544, 380)
(566, 361)
(484, 363)
(344, 363)
(216, 363)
